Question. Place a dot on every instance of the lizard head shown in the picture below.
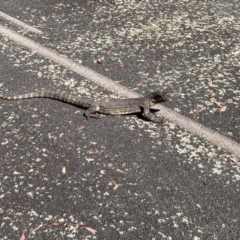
(157, 97)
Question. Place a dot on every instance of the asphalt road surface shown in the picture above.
(119, 177)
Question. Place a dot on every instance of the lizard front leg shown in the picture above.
(92, 112)
(150, 116)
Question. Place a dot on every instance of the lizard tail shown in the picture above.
(64, 97)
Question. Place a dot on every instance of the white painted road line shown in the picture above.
(190, 125)
(19, 23)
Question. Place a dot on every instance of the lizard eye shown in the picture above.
(160, 97)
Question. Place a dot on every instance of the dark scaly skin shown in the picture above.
(110, 107)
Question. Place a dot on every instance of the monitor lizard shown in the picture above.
(111, 107)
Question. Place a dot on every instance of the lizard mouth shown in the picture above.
(161, 97)
(164, 96)
(168, 95)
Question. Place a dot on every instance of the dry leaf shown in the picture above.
(199, 110)
(112, 167)
(35, 229)
(41, 26)
(92, 152)
(123, 172)
(210, 83)
(44, 37)
(80, 128)
(121, 65)
(146, 74)
(91, 230)
(60, 5)
(148, 36)
(116, 187)
(233, 160)
(64, 170)
(149, 47)
(98, 60)
(217, 103)
(22, 237)
(222, 108)
(19, 137)
(55, 224)
(96, 95)
(142, 80)
(237, 176)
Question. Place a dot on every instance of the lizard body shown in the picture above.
(110, 107)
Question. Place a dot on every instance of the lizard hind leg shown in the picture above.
(91, 112)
